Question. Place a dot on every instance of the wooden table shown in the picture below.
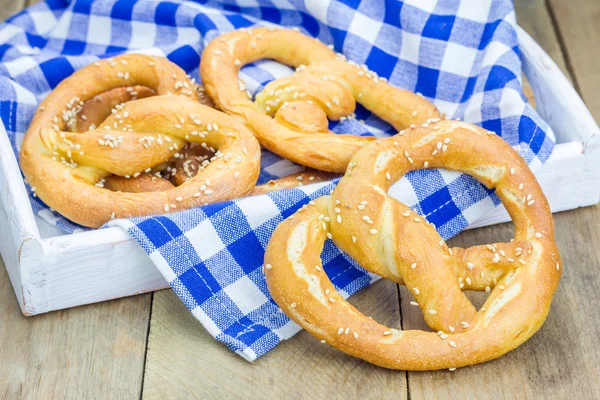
(149, 346)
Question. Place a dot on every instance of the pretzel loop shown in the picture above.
(387, 238)
(67, 169)
(324, 85)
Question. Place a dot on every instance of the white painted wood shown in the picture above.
(50, 270)
(18, 231)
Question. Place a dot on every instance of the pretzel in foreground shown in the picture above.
(129, 150)
(387, 238)
(324, 86)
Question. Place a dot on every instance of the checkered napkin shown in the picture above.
(462, 55)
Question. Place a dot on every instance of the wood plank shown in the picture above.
(533, 16)
(562, 360)
(95, 351)
(184, 361)
(10, 7)
(577, 24)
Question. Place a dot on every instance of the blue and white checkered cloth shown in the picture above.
(462, 55)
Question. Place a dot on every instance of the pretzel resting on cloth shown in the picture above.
(388, 238)
(290, 117)
(68, 169)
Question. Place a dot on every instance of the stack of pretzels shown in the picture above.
(133, 135)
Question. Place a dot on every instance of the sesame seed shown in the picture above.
(373, 231)
(451, 343)
(450, 328)
(293, 305)
(353, 239)
(318, 268)
(329, 235)
(323, 341)
(346, 331)
(432, 312)
(268, 266)
(386, 333)
(512, 171)
(340, 331)
(451, 369)
(339, 219)
(355, 335)
(414, 303)
(470, 266)
(413, 266)
(557, 266)
(166, 207)
(538, 235)
(416, 219)
(416, 290)
(487, 289)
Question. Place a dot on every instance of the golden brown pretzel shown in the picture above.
(67, 170)
(324, 86)
(294, 180)
(389, 239)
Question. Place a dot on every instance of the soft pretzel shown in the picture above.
(294, 180)
(68, 170)
(389, 239)
(324, 86)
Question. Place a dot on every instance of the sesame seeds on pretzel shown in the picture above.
(68, 169)
(389, 239)
(324, 86)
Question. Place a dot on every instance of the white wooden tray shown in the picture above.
(50, 270)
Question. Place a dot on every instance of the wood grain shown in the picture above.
(534, 17)
(11, 7)
(91, 352)
(184, 361)
(577, 24)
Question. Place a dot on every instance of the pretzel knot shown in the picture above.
(389, 239)
(324, 87)
(129, 148)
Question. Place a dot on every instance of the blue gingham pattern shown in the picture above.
(462, 55)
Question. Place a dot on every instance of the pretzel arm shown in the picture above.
(480, 267)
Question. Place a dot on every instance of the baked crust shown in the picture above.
(66, 168)
(326, 82)
(389, 239)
